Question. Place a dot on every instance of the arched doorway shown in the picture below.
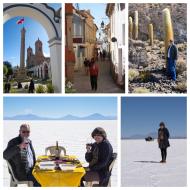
(47, 17)
(46, 74)
(41, 73)
(38, 73)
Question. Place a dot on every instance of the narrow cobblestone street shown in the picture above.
(105, 82)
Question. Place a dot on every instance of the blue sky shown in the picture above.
(12, 37)
(142, 115)
(56, 6)
(60, 106)
(97, 11)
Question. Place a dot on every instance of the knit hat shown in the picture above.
(99, 131)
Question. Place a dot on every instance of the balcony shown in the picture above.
(78, 39)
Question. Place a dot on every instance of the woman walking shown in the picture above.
(93, 74)
(163, 142)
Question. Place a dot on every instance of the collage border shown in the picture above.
(126, 94)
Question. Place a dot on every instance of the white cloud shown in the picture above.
(46, 54)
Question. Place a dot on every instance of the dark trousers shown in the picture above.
(30, 91)
(93, 81)
(89, 177)
(163, 153)
(172, 68)
(30, 177)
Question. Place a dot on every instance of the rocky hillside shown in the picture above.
(147, 68)
(152, 13)
(147, 63)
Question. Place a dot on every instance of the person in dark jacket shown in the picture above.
(99, 155)
(163, 142)
(172, 55)
(21, 156)
(94, 70)
(31, 87)
(7, 87)
(86, 65)
(19, 85)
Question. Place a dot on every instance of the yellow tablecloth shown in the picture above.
(58, 178)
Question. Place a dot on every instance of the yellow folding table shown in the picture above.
(58, 178)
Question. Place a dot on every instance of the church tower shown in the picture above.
(39, 48)
(29, 57)
(39, 56)
(29, 52)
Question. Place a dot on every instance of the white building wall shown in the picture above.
(117, 21)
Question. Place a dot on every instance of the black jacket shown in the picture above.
(17, 160)
(163, 136)
(105, 152)
(31, 86)
(173, 52)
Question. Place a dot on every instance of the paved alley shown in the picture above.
(105, 82)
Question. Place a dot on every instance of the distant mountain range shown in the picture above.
(140, 136)
(95, 116)
(153, 135)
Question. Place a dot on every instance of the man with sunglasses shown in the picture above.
(21, 156)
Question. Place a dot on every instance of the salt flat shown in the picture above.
(73, 135)
(140, 164)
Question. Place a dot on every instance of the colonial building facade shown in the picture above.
(69, 50)
(80, 39)
(37, 64)
(89, 34)
(116, 30)
(84, 36)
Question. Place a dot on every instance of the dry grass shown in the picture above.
(141, 90)
(181, 87)
(182, 47)
(145, 76)
(133, 74)
(181, 66)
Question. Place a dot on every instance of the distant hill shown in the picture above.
(98, 116)
(25, 117)
(69, 117)
(152, 134)
(95, 116)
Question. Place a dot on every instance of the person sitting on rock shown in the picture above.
(172, 54)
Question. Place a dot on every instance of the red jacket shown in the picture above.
(94, 70)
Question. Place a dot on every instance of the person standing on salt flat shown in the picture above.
(163, 142)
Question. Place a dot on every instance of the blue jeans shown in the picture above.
(172, 68)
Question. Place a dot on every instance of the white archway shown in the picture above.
(48, 18)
